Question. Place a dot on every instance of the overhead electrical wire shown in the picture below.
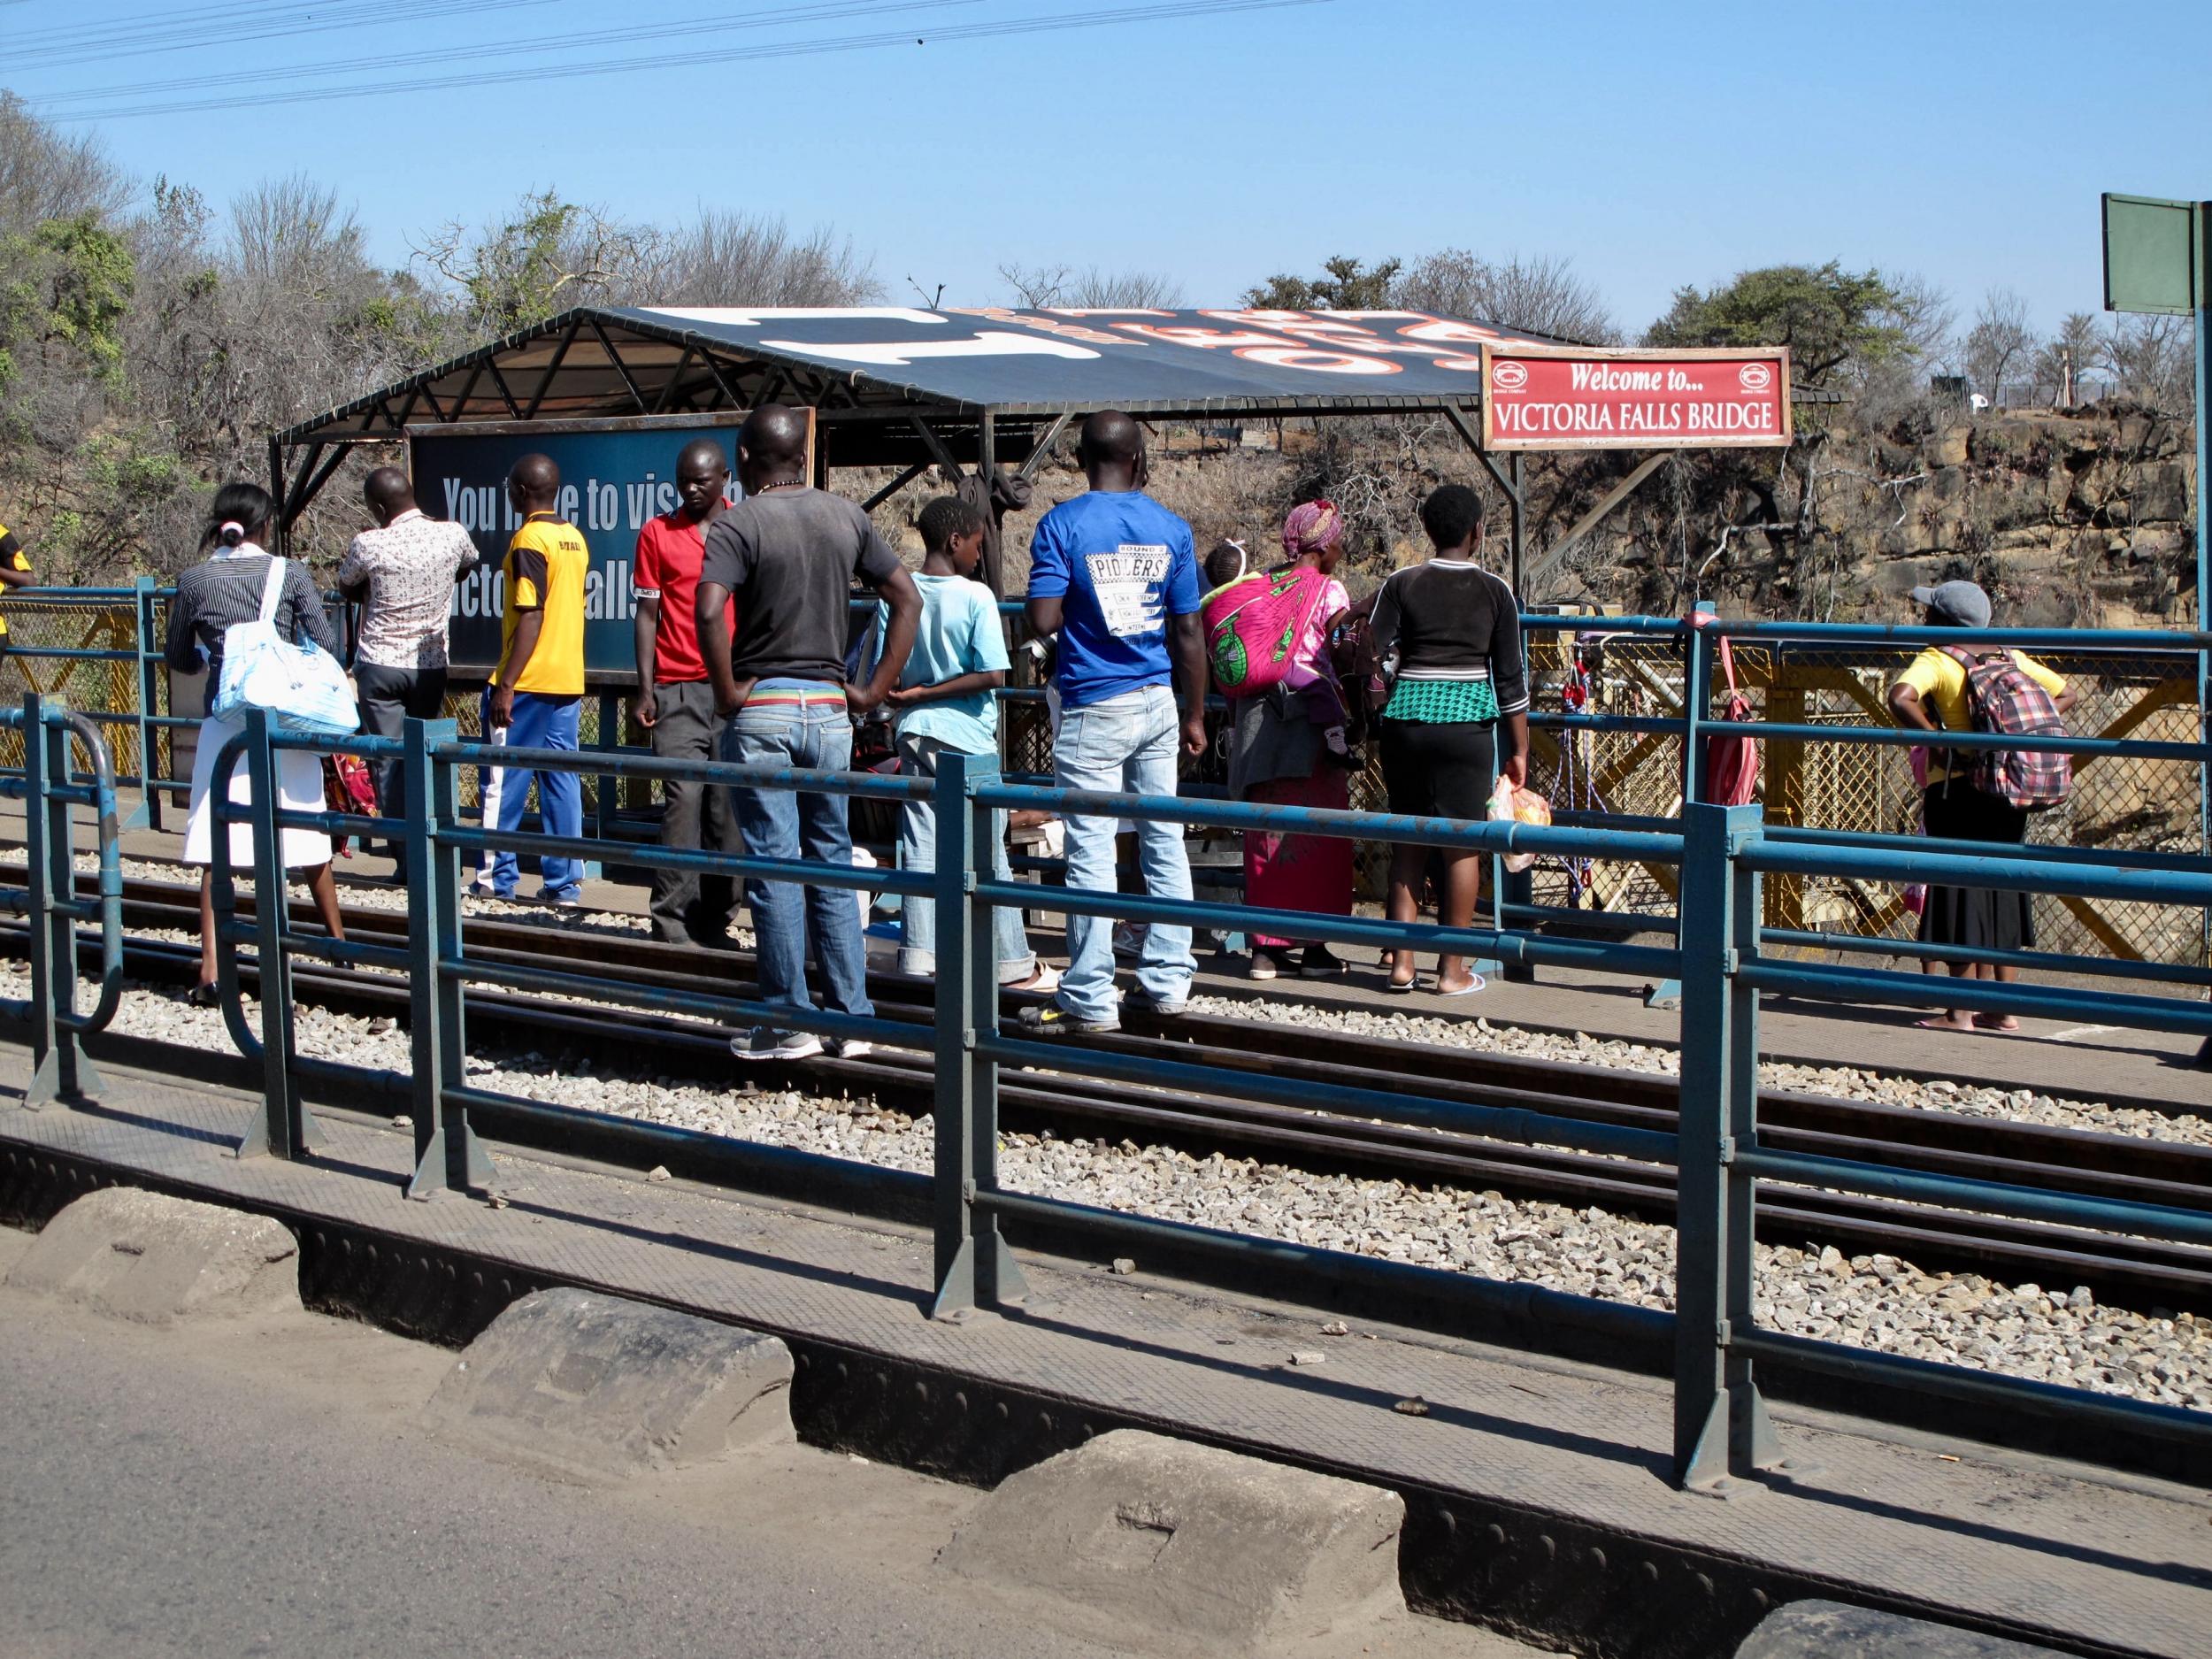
(823, 11)
(229, 26)
(661, 61)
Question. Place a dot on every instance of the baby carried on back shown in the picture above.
(1262, 631)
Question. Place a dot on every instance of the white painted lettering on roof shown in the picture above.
(756, 316)
(896, 353)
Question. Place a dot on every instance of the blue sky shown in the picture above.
(1656, 144)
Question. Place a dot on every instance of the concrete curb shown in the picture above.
(1831, 1630)
(1206, 1550)
(141, 1256)
(597, 1389)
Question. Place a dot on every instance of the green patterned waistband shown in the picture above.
(1441, 702)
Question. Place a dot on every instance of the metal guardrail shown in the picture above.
(1722, 1429)
(50, 788)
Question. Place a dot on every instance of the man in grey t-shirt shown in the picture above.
(785, 558)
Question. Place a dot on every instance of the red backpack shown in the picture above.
(2001, 697)
(1732, 763)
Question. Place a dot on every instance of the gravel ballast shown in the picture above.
(2056, 1332)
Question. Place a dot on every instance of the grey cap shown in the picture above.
(1961, 603)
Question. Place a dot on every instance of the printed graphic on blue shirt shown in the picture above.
(1124, 566)
(1128, 582)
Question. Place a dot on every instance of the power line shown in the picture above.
(823, 11)
(660, 62)
(257, 22)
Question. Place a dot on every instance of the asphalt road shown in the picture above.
(232, 1489)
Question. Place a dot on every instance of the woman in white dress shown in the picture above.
(227, 590)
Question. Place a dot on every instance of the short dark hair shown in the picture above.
(944, 519)
(1225, 563)
(249, 506)
(1451, 514)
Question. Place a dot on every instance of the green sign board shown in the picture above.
(2155, 254)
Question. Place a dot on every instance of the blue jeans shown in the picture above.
(540, 722)
(917, 850)
(780, 823)
(1129, 743)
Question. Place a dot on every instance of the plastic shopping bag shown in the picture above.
(1511, 804)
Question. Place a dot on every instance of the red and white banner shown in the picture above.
(1571, 398)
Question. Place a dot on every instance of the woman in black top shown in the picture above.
(229, 588)
(1451, 632)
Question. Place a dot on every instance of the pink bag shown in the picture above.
(1254, 623)
(1731, 764)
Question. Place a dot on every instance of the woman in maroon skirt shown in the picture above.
(1280, 757)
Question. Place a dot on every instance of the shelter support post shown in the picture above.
(1043, 446)
(276, 493)
(1555, 555)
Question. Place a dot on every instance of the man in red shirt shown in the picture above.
(675, 702)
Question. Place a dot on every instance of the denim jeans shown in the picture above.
(917, 850)
(1129, 743)
(778, 824)
(540, 722)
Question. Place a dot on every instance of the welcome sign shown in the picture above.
(615, 476)
(1567, 398)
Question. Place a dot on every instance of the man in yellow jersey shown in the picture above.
(15, 572)
(538, 688)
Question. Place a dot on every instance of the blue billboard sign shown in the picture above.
(615, 475)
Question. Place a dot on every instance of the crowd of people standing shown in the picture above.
(745, 654)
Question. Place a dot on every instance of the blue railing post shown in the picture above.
(149, 670)
(1697, 692)
(283, 1129)
(52, 934)
(1720, 1423)
(448, 1158)
(972, 1261)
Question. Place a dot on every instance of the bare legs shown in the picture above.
(1961, 1019)
(1463, 882)
(321, 886)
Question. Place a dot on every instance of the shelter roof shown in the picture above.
(885, 364)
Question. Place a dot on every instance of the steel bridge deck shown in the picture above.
(1537, 1487)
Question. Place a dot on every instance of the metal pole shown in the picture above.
(37, 831)
(1715, 1403)
(150, 661)
(973, 1264)
(282, 1128)
(1517, 520)
(2204, 573)
(954, 1108)
(64, 1072)
(448, 1158)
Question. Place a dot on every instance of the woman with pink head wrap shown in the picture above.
(1289, 749)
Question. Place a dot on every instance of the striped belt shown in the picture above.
(786, 697)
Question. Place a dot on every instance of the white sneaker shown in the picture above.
(850, 1047)
(1044, 982)
(1129, 939)
(764, 1042)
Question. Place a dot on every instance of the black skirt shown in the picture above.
(1976, 916)
(1439, 769)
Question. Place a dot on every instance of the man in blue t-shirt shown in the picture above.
(1114, 574)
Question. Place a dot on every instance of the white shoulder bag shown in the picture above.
(301, 687)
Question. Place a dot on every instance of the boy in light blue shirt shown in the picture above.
(947, 702)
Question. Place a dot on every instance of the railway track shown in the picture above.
(2127, 1270)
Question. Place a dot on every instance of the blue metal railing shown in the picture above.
(50, 788)
(1723, 855)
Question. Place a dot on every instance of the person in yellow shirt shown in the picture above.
(537, 692)
(15, 572)
(1931, 695)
